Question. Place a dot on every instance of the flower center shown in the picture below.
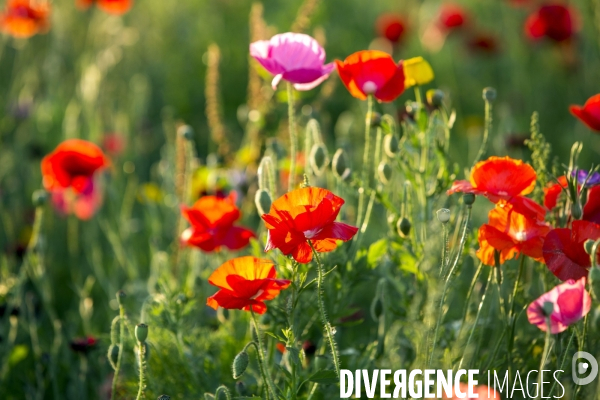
(257, 294)
(311, 233)
(369, 87)
(521, 236)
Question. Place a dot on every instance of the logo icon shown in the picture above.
(580, 368)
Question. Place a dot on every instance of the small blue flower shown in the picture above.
(592, 180)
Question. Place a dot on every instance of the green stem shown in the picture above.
(486, 132)
(261, 359)
(142, 365)
(328, 329)
(224, 390)
(120, 354)
(365, 167)
(293, 136)
(562, 364)
(546, 350)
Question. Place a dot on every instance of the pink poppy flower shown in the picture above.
(571, 303)
(294, 57)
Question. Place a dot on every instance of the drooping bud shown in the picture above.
(403, 227)
(121, 297)
(39, 197)
(340, 169)
(594, 278)
(319, 159)
(435, 97)
(186, 132)
(241, 389)
(263, 201)
(548, 308)
(141, 332)
(385, 172)
(375, 119)
(588, 245)
(443, 215)
(240, 363)
(489, 94)
(469, 198)
(576, 211)
(391, 145)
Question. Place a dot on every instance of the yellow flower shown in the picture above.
(417, 71)
(150, 193)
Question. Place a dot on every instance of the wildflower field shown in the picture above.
(300, 199)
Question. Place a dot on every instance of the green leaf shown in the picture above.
(324, 377)
(376, 251)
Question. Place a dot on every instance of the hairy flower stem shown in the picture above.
(486, 132)
(120, 354)
(261, 359)
(142, 365)
(511, 320)
(222, 389)
(546, 351)
(489, 281)
(562, 364)
(461, 246)
(366, 163)
(293, 137)
(324, 319)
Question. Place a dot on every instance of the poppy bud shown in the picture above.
(489, 94)
(391, 145)
(121, 297)
(548, 308)
(403, 227)
(443, 215)
(588, 245)
(469, 198)
(376, 308)
(594, 278)
(39, 197)
(164, 397)
(186, 132)
(141, 332)
(240, 388)
(321, 362)
(262, 199)
(339, 165)
(576, 211)
(319, 159)
(435, 97)
(375, 119)
(240, 363)
(385, 172)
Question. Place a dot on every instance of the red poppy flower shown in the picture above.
(503, 179)
(72, 164)
(591, 210)
(482, 392)
(552, 192)
(23, 18)
(114, 144)
(483, 43)
(212, 219)
(372, 72)
(83, 345)
(589, 114)
(451, 16)
(554, 21)
(245, 283)
(304, 215)
(116, 7)
(391, 26)
(564, 251)
(511, 234)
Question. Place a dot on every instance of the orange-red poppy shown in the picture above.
(589, 114)
(503, 179)
(510, 233)
(372, 72)
(302, 216)
(212, 221)
(72, 164)
(25, 18)
(552, 192)
(245, 283)
(116, 7)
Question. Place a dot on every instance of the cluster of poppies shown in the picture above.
(517, 226)
(25, 18)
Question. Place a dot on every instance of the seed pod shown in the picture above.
(588, 245)
(339, 165)
(240, 363)
(594, 278)
(435, 97)
(39, 197)
(319, 159)
(403, 227)
(469, 198)
(548, 308)
(391, 145)
(262, 199)
(489, 94)
(141, 332)
(385, 172)
(443, 215)
(576, 211)
(375, 119)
